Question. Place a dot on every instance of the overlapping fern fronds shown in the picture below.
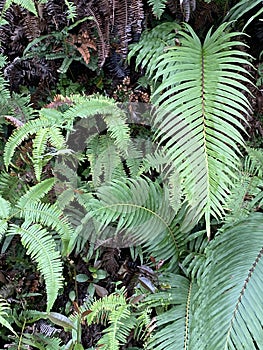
(200, 109)
(243, 7)
(38, 224)
(152, 44)
(228, 309)
(131, 211)
(115, 311)
(98, 114)
(173, 321)
(41, 247)
(247, 194)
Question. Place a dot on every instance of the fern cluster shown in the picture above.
(92, 185)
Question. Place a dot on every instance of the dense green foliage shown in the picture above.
(179, 187)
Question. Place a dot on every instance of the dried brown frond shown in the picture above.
(82, 42)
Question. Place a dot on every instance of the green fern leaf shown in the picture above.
(5, 209)
(11, 187)
(26, 4)
(173, 321)
(4, 306)
(106, 108)
(228, 312)
(21, 134)
(116, 311)
(158, 7)
(36, 192)
(198, 118)
(241, 8)
(38, 150)
(42, 248)
(49, 216)
(153, 44)
(137, 208)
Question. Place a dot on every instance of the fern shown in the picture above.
(246, 195)
(49, 216)
(105, 160)
(46, 130)
(113, 116)
(198, 116)
(41, 247)
(229, 291)
(21, 134)
(158, 7)
(72, 10)
(11, 187)
(26, 4)
(5, 209)
(112, 309)
(242, 8)
(4, 307)
(152, 44)
(35, 193)
(40, 142)
(174, 315)
(137, 210)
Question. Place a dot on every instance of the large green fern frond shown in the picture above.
(133, 211)
(198, 119)
(49, 216)
(174, 314)
(36, 192)
(228, 309)
(41, 247)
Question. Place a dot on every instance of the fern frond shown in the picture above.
(105, 160)
(49, 216)
(200, 108)
(173, 321)
(229, 293)
(5, 209)
(72, 10)
(137, 209)
(4, 307)
(243, 7)
(116, 311)
(21, 134)
(11, 187)
(42, 248)
(4, 91)
(153, 44)
(20, 106)
(158, 7)
(255, 159)
(39, 147)
(35, 193)
(246, 195)
(26, 4)
(107, 109)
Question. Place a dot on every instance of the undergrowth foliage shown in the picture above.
(76, 176)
